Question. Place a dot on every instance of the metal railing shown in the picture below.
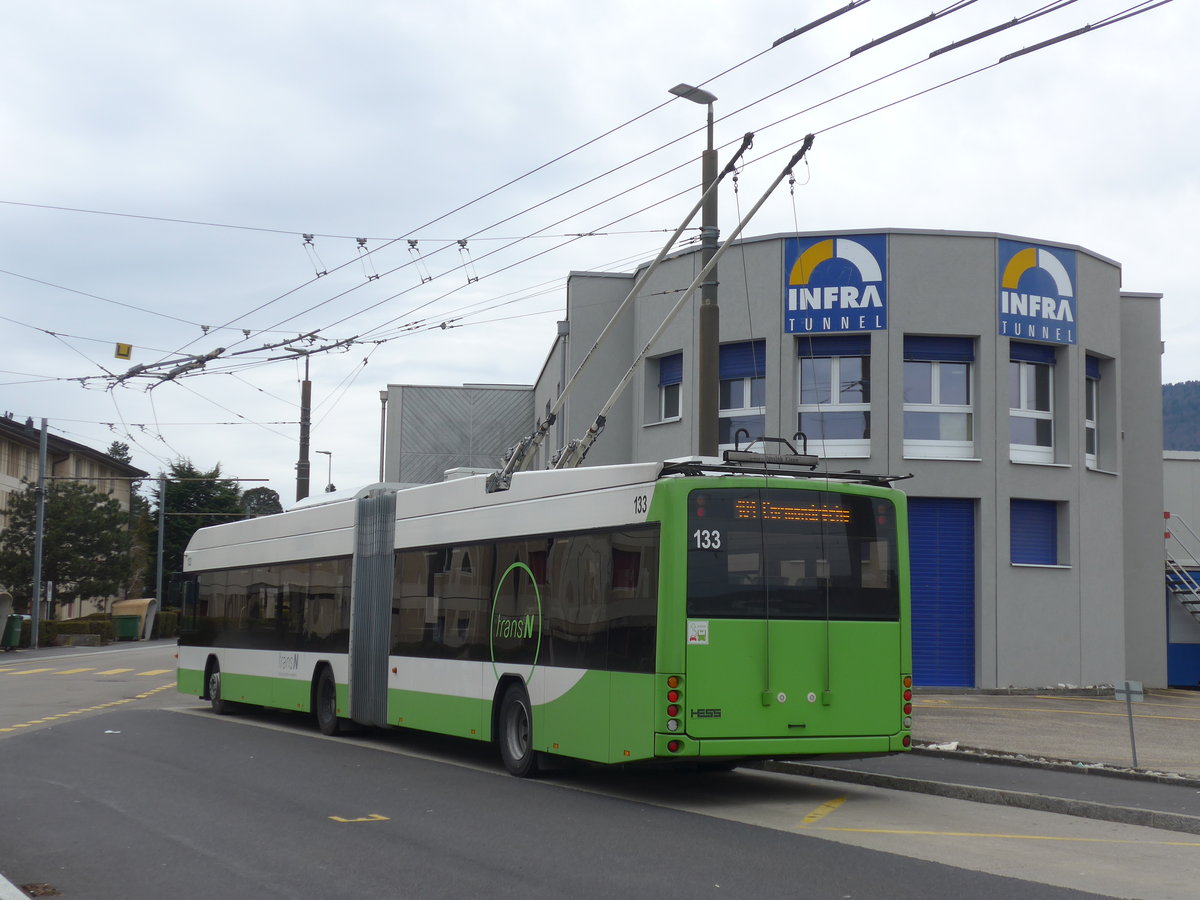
(1183, 563)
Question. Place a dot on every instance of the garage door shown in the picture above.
(942, 541)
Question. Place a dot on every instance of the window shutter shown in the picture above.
(1033, 532)
(938, 349)
(836, 345)
(744, 360)
(670, 369)
(1019, 351)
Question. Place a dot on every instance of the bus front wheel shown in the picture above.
(515, 733)
(326, 704)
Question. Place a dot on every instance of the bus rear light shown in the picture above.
(908, 681)
(906, 740)
(672, 724)
(674, 746)
(907, 696)
(673, 681)
(672, 696)
(672, 710)
(908, 709)
(908, 721)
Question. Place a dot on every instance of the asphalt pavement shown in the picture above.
(1068, 752)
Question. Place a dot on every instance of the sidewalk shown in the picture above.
(1075, 728)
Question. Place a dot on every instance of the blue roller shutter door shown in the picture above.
(942, 543)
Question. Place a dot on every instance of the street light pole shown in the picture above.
(708, 322)
(329, 488)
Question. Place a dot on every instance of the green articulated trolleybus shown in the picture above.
(692, 611)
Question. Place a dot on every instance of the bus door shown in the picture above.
(793, 626)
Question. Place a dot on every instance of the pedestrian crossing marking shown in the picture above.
(155, 672)
(30, 671)
(114, 671)
(76, 671)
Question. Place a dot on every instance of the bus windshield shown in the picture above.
(791, 554)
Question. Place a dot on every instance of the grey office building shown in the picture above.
(1012, 377)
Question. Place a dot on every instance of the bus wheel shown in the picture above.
(219, 706)
(515, 733)
(326, 704)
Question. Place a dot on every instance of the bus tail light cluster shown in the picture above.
(674, 710)
(907, 695)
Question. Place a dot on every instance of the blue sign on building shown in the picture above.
(835, 284)
(1036, 292)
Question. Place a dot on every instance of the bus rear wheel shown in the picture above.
(515, 733)
(325, 705)
(219, 706)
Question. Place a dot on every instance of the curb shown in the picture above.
(1076, 767)
(996, 796)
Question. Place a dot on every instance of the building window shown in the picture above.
(835, 394)
(743, 400)
(1031, 402)
(1033, 532)
(670, 380)
(938, 396)
(1091, 411)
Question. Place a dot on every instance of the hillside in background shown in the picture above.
(1181, 416)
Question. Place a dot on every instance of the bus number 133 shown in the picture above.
(707, 540)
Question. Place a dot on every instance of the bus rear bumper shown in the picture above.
(778, 748)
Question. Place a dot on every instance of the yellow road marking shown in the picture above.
(114, 671)
(75, 671)
(374, 817)
(154, 672)
(1010, 837)
(823, 810)
(30, 671)
(109, 705)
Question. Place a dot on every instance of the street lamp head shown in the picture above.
(695, 94)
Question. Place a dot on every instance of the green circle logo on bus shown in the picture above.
(520, 627)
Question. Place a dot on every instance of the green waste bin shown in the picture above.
(126, 627)
(12, 632)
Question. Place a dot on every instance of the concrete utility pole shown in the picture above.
(708, 323)
(38, 529)
(302, 466)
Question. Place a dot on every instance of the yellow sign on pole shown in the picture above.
(124, 351)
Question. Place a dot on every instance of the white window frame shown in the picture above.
(746, 388)
(938, 448)
(1091, 434)
(844, 448)
(667, 393)
(1033, 453)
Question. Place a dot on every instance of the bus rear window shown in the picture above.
(791, 554)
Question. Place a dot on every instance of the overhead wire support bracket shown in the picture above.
(854, 4)
(520, 456)
(576, 450)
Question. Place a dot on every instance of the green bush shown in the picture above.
(166, 624)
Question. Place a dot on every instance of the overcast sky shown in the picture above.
(253, 122)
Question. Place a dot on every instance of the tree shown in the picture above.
(119, 450)
(85, 544)
(194, 499)
(261, 501)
